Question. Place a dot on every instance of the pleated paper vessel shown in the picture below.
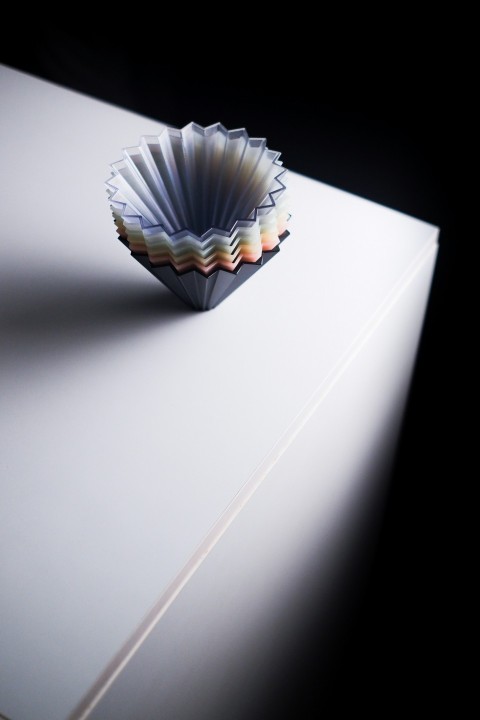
(201, 208)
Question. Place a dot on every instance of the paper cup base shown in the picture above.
(199, 291)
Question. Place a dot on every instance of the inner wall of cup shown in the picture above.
(198, 183)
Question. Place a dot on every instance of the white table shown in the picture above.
(170, 479)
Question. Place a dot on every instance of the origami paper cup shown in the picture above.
(201, 208)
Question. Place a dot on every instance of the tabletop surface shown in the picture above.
(128, 422)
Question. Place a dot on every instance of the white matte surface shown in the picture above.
(290, 558)
(128, 423)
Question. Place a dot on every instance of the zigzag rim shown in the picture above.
(264, 208)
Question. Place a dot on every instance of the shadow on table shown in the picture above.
(46, 313)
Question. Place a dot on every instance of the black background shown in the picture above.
(386, 120)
